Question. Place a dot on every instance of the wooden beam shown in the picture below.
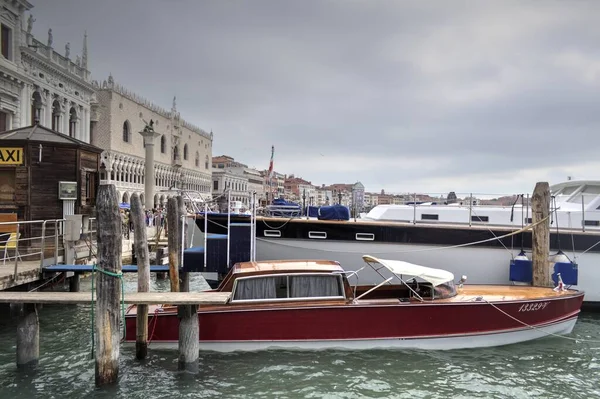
(108, 288)
(144, 298)
(540, 208)
(143, 263)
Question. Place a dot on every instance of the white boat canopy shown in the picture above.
(431, 275)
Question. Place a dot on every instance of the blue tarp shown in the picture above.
(334, 212)
(282, 202)
(313, 211)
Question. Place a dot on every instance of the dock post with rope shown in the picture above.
(540, 209)
(108, 287)
(143, 263)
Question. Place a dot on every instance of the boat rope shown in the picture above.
(595, 341)
(432, 248)
(120, 277)
(62, 275)
(495, 236)
(589, 248)
(154, 319)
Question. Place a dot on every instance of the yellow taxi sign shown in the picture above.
(11, 156)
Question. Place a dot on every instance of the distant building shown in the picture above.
(182, 153)
(234, 180)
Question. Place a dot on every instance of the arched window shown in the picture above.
(175, 153)
(56, 116)
(36, 107)
(126, 132)
(185, 152)
(72, 122)
(206, 162)
(163, 144)
(197, 159)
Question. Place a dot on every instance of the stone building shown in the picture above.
(182, 152)
(39, 84)
(234, 180)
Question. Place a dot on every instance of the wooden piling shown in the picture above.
(143, 263)
(160, 254)
(74, 283)
(28, 336)
(108, 288)
(173, 242)
(189, 342)
(184, 278)
(540, 207)
(189, 346)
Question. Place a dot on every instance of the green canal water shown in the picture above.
(547, 368)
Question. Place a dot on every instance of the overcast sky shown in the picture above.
(433, 96)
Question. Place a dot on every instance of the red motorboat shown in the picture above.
(313, 305)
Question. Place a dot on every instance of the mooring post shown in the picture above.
(540, 209)
(188, 314)
(143, 263)
(160, 254)
(74, 283)
(173, 242)
(108, 288)
(184, 278)
(28, 336)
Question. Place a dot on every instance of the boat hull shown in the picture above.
(369, 324)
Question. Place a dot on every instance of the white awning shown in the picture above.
(431, 275)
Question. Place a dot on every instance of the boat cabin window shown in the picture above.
(446, 290)
(588, 193)
(288, 287)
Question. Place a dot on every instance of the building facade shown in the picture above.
(182, 151)
(37, 83)
(234, 180)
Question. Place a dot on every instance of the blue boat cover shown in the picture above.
(334, 212)
(313, 211)
(283, 202)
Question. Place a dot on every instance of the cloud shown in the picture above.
(406, 96)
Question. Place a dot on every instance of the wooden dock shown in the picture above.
(140, 298)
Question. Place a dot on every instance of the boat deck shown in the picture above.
(499, 293)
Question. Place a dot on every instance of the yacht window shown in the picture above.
(568, 190)
(591, 223)
(589, 193)
(480, 218)
(288, 287)
(314, 286)
(271, 287)
(426, 216)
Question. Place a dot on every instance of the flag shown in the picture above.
(271, 162)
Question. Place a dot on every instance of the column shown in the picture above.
(87, 125)
(65, 119)
(25, 106)
(149, 185)
(48, 112)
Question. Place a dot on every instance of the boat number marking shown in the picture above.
(532, 307)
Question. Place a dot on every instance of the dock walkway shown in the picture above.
(140, 298)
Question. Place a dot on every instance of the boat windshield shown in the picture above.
(288, 287)
(446, 290)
